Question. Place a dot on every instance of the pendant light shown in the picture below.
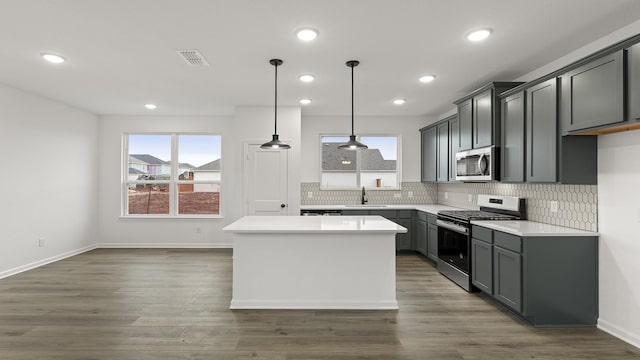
(275, 143)
(352, 144)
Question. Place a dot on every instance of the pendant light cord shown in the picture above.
(275, 109)
(352, 130)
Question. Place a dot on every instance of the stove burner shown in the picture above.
(468, 215)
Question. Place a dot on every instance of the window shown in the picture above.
(172, 175)
(374, 168)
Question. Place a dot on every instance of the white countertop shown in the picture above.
(429, 208)
(314, 224)
(532, 228)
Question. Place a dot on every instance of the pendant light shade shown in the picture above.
(352, 144)
(275, 143)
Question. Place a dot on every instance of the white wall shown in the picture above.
(51, 188)
(405, 126)
(619, 227)
(247, 124)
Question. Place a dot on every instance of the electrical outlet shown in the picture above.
(397, 195)
(198, 230)
(470, 198)
(309, 195)
(554, 206)
(446, 194)
(410, 194)
(41, 242)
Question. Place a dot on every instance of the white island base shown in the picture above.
(314, 263)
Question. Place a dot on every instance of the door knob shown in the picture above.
(283, 205)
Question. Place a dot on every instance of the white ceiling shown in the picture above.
(122, 53)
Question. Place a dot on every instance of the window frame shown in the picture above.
(359, 170)
(173, 183)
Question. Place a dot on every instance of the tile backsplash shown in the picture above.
(410, 193)
(577, 204)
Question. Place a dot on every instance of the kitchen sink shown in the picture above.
(365, 206)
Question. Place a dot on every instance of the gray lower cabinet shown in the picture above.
(507, 278)
(482, 265)
(404, 241)
(593, 94)
(421, 237)
(432, 238)
(546, 280)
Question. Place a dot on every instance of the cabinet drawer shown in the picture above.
(507, 241)
(431, 219)
(387, 214)
(405, 214)
(481, 233)
(421, 215)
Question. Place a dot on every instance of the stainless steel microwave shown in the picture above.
(476, 164)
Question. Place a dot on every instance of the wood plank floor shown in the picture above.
(173, 304)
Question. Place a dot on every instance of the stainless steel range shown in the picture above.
(454, 233)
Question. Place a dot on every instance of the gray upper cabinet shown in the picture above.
(429, 153)
(454, 145)
(541, 132)
(443, 152)
(512, 150)
(633, 81)
(483, 125)
(593, 94)
(479, 116)
(465, 125)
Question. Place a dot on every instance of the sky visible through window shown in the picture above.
(196, 150)
(387, 145)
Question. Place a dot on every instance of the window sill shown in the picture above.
(171, 217)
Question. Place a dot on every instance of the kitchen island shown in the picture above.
(316, 262)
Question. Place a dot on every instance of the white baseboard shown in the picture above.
(633, 339)
(46, 261)
(163, 245)
(313, 304)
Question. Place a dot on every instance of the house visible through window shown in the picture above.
(375, 167)
(172, 174)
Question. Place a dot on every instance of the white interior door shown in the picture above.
(267, 172)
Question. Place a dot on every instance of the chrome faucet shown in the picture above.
(364, 197)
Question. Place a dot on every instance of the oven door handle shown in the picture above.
(453, 227)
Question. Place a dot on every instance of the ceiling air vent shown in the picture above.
(193, 57)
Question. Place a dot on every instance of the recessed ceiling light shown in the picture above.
(399, 101)
(305, 101)
(151, 106)
(307, 34)
(53, 58)
(307, 78)
(479, 35)
(427, 78)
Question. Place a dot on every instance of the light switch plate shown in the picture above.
(470, 198)
(446, 194)
(397, 196)
(553, 205)
(410, 194)
(309, 194)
